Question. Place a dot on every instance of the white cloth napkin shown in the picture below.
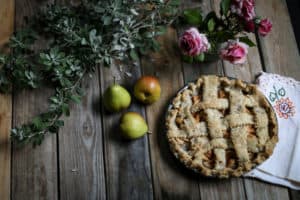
(283, 167)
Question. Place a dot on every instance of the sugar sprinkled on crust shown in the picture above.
(234, 134)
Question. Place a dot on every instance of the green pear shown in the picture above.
(116, 98)
(133, 125)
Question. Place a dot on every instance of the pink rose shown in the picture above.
(244, 8)
(265, 26)
(250, 26)
(234, 52)
(193, 43)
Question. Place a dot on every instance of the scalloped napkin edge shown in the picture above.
(283, 166)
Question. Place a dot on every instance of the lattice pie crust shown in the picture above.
(221, 127)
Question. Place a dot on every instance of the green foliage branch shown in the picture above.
(79, 38)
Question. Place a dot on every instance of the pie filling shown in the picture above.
(221, 127)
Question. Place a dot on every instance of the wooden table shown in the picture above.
(88, 159)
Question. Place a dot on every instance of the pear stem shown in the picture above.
(149, 132)
(115, 80)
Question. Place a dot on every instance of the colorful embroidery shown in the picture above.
(285, 108)
(276, 94)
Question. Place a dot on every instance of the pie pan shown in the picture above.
(183, 146)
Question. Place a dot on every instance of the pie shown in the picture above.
(221, 127)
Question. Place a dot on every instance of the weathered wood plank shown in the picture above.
(128, 171)
(7, 15)
(294, 194)
(80, 145)
(5, 148)
(81, 162)
(7, 12)
(34, 171)
(294, 6)
(279, 49)
(171, 179)
(260, 190)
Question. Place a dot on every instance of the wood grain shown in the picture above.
(7, 15)
(294, 194)
(260, 190)
(5, 148)
(96, 163)
(7, 12)
(128, 170)
(34, 171)
(80, 145)
(81, 162)
(279, 48)
(171, 179)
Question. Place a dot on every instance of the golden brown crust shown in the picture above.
(221, 127)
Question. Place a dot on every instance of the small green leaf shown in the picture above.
(133, 54)
(107, 61)
(65, 109)
(83, 41)
(174, 2)
(188, 59)
(92, 34)
(161, 30)
(106, 20)
(209, 16)
(155, 45)
(80, 91)
(223, 36)
(54, 99)
(59, 123)
(37, 122)
(193, 16)
(53, 129)
(37, 140)
(247, 41)
(225, 4)
(211, 25)
(76, 99)
(2, 59)
(200, 57)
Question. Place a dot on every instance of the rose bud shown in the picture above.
(249, 26)
(234, 51)
(264, 27)
(193, 43)
(243, 8)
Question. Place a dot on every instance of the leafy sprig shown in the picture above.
(79, 38)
